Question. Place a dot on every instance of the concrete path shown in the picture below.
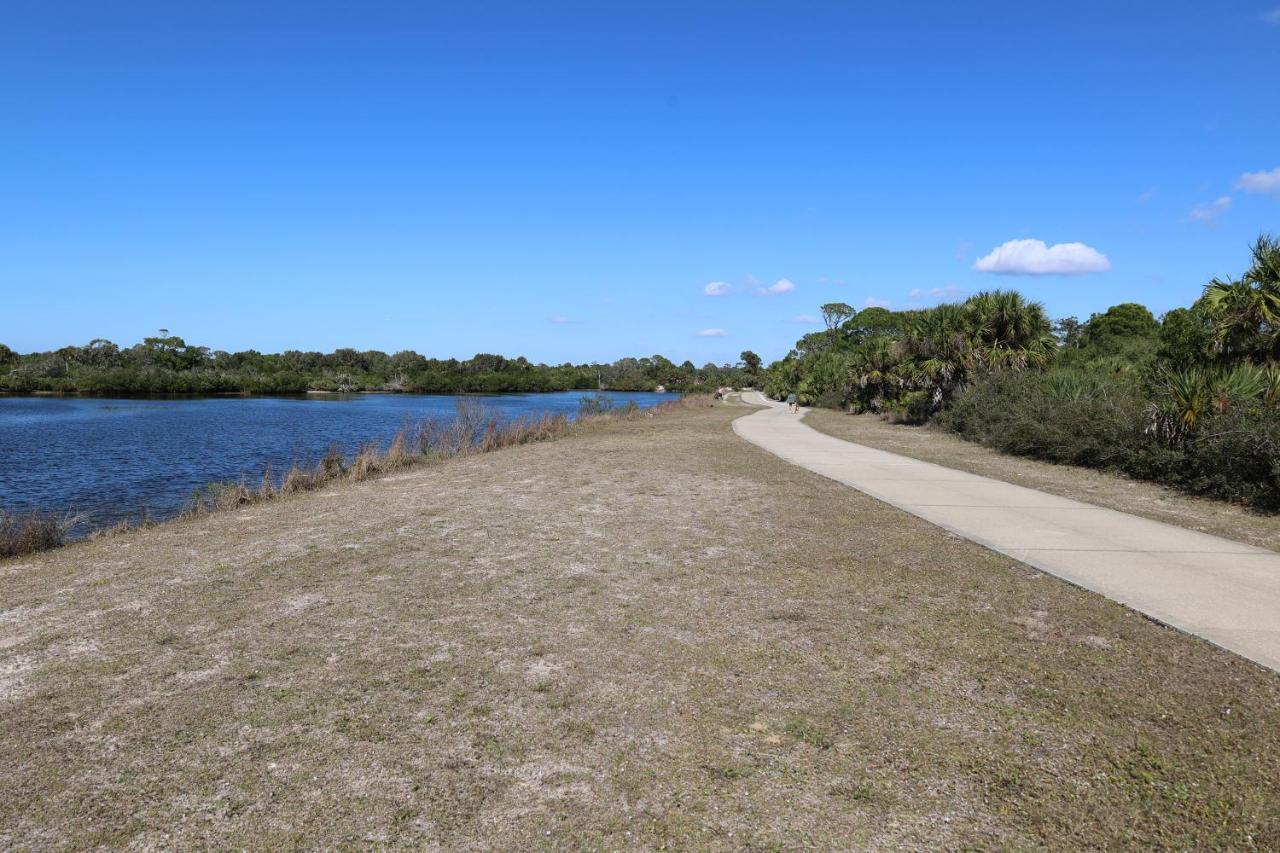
(1223, 591)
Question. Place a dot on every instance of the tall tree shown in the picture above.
(835, 313)
(1067, 330)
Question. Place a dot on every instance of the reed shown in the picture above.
(29, 532)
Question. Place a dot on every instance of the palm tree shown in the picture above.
(1012, 331)
(1246, 313)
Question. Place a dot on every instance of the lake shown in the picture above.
(110, 459)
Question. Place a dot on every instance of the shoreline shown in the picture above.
(115, 395)
(472, 430)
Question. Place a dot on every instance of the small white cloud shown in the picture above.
(713, 333)
(1033, 257)
(749, 280)
(1272, 16)
(559, 319)
(876, 302)
(1207, 214)
(1261, 182)
(805, 319)
(716, 288)
(948, 292)
(1146, 195)
(782, 285)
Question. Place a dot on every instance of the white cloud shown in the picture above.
(1272, 16)
(1261, 182)
(805, 319)
(782, 285)
(559, 319)
(1146, 195)
(1033, 257)
(749, 280)
(948, 292)
(1207, 214)
(876, 302)
(716, 288)
(713, 333)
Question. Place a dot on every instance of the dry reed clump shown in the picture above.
(398, 452)
(122, 526)
(27, 533)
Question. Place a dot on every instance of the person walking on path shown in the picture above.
(793, 402)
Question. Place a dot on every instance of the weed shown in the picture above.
(806, 732)
(29, 532)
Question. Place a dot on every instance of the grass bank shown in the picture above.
(649, 634)
(474, 429)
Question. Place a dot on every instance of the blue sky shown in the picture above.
(565, 180)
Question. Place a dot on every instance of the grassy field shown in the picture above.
(1083, 484)
(650, 634)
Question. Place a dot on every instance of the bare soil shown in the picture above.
(1103, 488)
(647, 635)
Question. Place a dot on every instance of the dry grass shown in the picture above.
(649, 635)
(473, 429)
(29, 532)
(1083, 484)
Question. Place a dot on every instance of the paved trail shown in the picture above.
(1223, 591)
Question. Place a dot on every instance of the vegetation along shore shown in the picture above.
(167, 364)
(1191, 400)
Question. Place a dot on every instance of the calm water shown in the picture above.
(111, 459)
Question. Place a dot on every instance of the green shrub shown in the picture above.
(913, 407)
(1075, 418)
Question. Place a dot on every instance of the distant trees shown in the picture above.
(910, 362)
(167, 364)
(1068, 330)
(1124, 321)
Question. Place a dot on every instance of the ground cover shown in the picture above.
(649, 634)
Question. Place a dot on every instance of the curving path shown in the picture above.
(1224, 591)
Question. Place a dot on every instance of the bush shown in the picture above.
(1235, 456)
(1077, 418)
(913, 407)
(31, 532)
(594, 404)
(1060, 416)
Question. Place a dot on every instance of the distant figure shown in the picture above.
(793, 402)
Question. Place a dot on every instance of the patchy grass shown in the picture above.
(628, 638)
(806, 732)
(1137, 497)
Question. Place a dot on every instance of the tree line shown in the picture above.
(1191, 399)
(167, 364)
